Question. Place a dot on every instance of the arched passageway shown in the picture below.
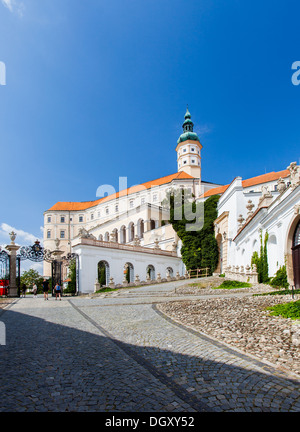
(123, 234)
(296, 256)
(103, 273)
(129, 272)
(140, 228)
(169, 272)
(151, 271)
(131, 232)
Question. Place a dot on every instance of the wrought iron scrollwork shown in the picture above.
(34, 253)
(70, 257)
(4, 264)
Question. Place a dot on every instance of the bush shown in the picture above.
(286, 310)
(261, 261)
(232, 284)
(280, 280)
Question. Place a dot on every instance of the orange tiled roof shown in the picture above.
(264, 178)
(73, 206)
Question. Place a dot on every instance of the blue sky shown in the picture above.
(96, 90)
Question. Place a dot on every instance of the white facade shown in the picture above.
(131, 212)
(164, 265)
(245, 216)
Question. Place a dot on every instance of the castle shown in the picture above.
(136, 217)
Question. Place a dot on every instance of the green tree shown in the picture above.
(71, 275)
(31, 277)
(261, 260)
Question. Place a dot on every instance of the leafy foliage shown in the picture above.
(232, 284)
(280, 280)
(286, 310)
(261, 261)
(199, 247)
(31, 277)
(101, 273)
(71, 289)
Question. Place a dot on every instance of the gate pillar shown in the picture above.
(12, 248)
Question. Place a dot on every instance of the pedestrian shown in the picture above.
(34, 290)
(24, 288)
(57, 291)
(45, 289)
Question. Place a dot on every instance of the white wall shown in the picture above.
(117, 257)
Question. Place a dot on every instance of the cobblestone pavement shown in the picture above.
(120, 353)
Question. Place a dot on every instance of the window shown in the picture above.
(92, 216)
(48, 234)
(116, 208)
(193, 149)
(107, 210)
(193, 160)
(62, 219)
(98, 214)
(184, 162)
(155, 197)
(143, 201)
(184, 150)
(62, 234)
(49, 219)
(131, 204)
(80, 218)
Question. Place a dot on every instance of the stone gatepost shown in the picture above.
(12, 248)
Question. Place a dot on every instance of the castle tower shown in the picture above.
(189, 149)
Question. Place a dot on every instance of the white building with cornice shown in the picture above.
(133, 215)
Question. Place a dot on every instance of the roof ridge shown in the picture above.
(275, 175)
(123, 192)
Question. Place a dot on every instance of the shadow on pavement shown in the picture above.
(55, 368)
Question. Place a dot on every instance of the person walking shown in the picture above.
(24, 288)
(57, 291)
(45, 289)
(34, 290)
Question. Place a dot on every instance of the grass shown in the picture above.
(286, 310)
(232, 284)
(106, 290)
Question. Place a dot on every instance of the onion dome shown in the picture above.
(188, 129)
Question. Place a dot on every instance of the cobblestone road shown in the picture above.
(119, 353)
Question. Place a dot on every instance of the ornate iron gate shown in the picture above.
(37, 253)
